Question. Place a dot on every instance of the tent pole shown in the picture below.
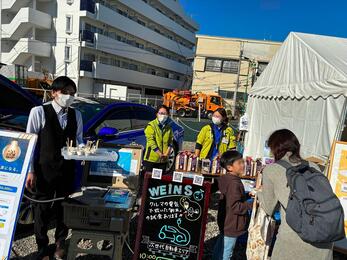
(341, 123)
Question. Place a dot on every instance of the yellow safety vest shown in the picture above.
(205, 141)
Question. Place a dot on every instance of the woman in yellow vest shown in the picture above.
(216, 138)
(159, 136)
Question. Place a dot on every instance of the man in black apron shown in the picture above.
(50, 175)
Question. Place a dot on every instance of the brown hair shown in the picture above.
(284, 141)
(224, 114)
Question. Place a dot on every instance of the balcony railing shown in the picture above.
(88, 5)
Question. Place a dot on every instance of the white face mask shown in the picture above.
(64, 100)
(162, 118)
(216, 120)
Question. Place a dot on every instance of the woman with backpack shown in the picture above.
(277, 192)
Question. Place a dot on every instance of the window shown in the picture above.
(68, 28)
(89, 56)
(216, 100)
(133, 67)
(261, 67)
(152, 71)
(139, 45)
(213, 65)
(141, 22)
(88, 27)
(226, 94)
(67, 53)
(230, 66)
(125, 65)
(142, 117)
(120, 120)
(104, 60)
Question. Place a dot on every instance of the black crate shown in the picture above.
(96, 217)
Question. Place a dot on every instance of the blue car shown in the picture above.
(115, 122)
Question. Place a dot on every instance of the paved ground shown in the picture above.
(25, 247)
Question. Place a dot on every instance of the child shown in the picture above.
(233, 207)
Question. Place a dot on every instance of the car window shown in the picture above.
(120, 119)
(15, 121)
(87, 110)
(215, 100)
(142, 116)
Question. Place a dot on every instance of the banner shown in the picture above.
(16, 151)
(338, 179)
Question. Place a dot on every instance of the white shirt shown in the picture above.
(37, 121)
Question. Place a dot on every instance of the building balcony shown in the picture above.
(16, 5)
(114, 19)
(176, 7)
(112, 46)
(25, 20)
(141, 7)
(24, 49)
(133, 77)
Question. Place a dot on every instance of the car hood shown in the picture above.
(14, 99)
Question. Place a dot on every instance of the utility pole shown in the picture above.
(238, 79)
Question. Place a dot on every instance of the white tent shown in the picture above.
(302, 89)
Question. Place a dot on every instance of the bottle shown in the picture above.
(205, 166)
(216, 169)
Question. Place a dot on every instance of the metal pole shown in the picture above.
(238, 79)
(65, 63)
(199, 114)
(172, 108)
(79, 59)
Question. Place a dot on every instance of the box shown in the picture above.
(92, 210)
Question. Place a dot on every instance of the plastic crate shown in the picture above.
(96, 217)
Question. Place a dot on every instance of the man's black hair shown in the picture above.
(229, 157)
(63, 82)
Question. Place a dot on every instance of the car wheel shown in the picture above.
(181, 113)
(171, 160)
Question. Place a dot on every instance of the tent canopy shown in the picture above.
(306, 66)
(302, 89)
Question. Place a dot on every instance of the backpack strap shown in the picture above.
(284, 164)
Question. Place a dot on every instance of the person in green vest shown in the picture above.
(216, 138)
(159, 137)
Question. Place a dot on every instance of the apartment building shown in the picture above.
(108, 47)
(222, 64)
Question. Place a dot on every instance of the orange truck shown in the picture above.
(186, 104)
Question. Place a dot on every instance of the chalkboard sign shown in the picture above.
(172, 219)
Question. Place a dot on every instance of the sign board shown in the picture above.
(172, 219)
(338, 179)
(16, 150)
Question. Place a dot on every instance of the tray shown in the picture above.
(102, 154)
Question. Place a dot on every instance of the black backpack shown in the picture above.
(313, 211)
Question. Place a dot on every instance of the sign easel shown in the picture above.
(172, 218)
(16, 151)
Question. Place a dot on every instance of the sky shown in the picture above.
(268, 19)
